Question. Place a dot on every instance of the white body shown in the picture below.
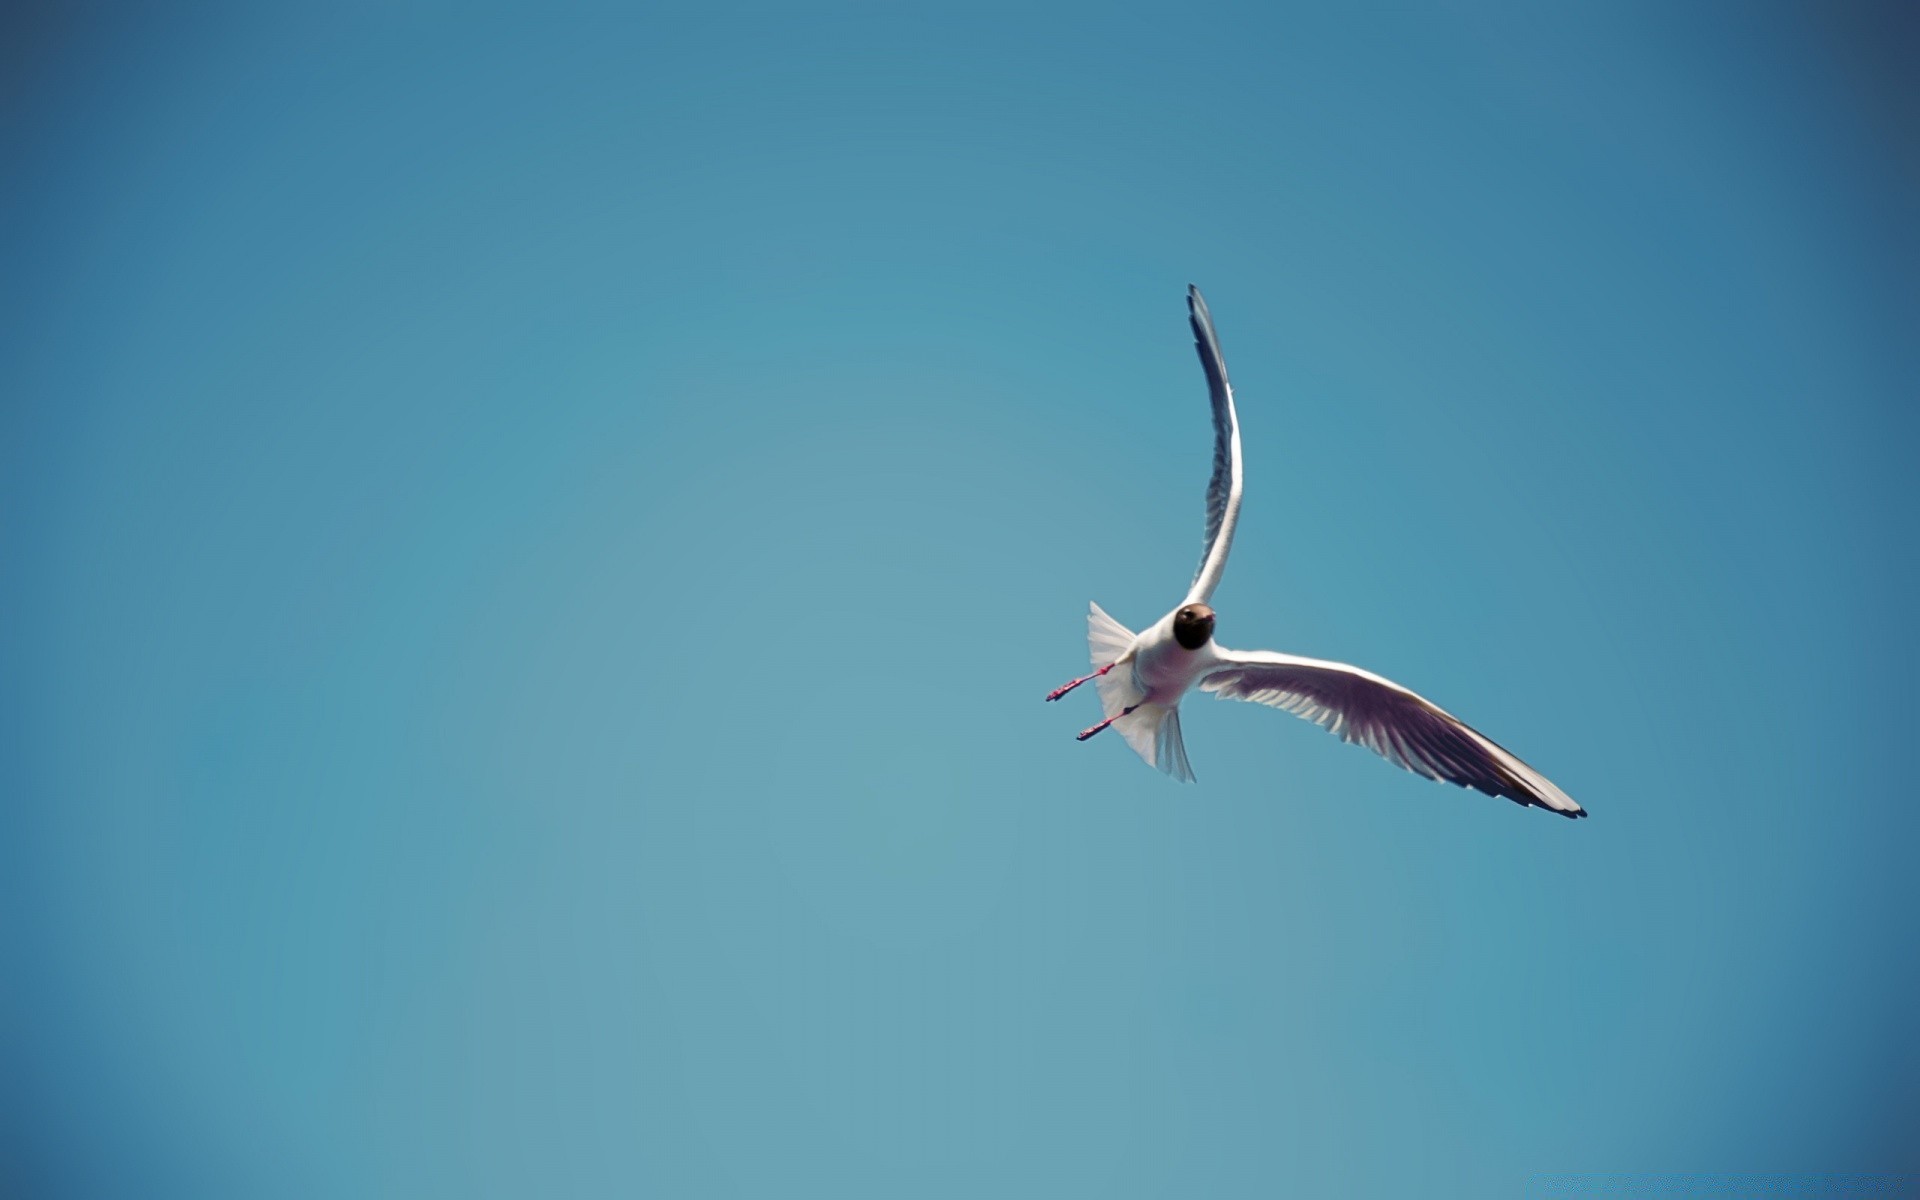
(1163, 669)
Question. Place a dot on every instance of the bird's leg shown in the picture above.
(1063, 689)
(1088, 732)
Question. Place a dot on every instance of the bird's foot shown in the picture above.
(1063, 689)
(1088, 732)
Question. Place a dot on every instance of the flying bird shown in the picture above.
(1142, 677)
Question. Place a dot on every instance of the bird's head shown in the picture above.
(1193, 626)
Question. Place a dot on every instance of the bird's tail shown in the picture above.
(1107, 639)
(1153, 730)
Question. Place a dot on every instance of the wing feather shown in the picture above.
(1224, 487)
(1403, 728)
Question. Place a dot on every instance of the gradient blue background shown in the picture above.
(532, 549)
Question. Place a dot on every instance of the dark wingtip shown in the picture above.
(1526, 799)
(1201, 318)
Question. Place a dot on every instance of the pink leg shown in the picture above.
(1088, 732)
(1062, 690)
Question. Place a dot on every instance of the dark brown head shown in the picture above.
(1193, 626)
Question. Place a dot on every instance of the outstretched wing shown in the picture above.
(1387, 719)
(1223, 490)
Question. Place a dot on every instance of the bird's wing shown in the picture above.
(1387, 719)
(1223, 490)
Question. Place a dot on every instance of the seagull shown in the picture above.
(1142, 677)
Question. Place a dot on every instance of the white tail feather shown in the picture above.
(1153, 730)
(1108, 642)
(1107, 639)
(1171, 754)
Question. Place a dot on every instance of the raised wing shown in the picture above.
(1387, 719)
(1223, 490)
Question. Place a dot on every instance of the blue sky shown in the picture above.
(532, 550)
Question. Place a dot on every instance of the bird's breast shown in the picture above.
(1165, 669)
